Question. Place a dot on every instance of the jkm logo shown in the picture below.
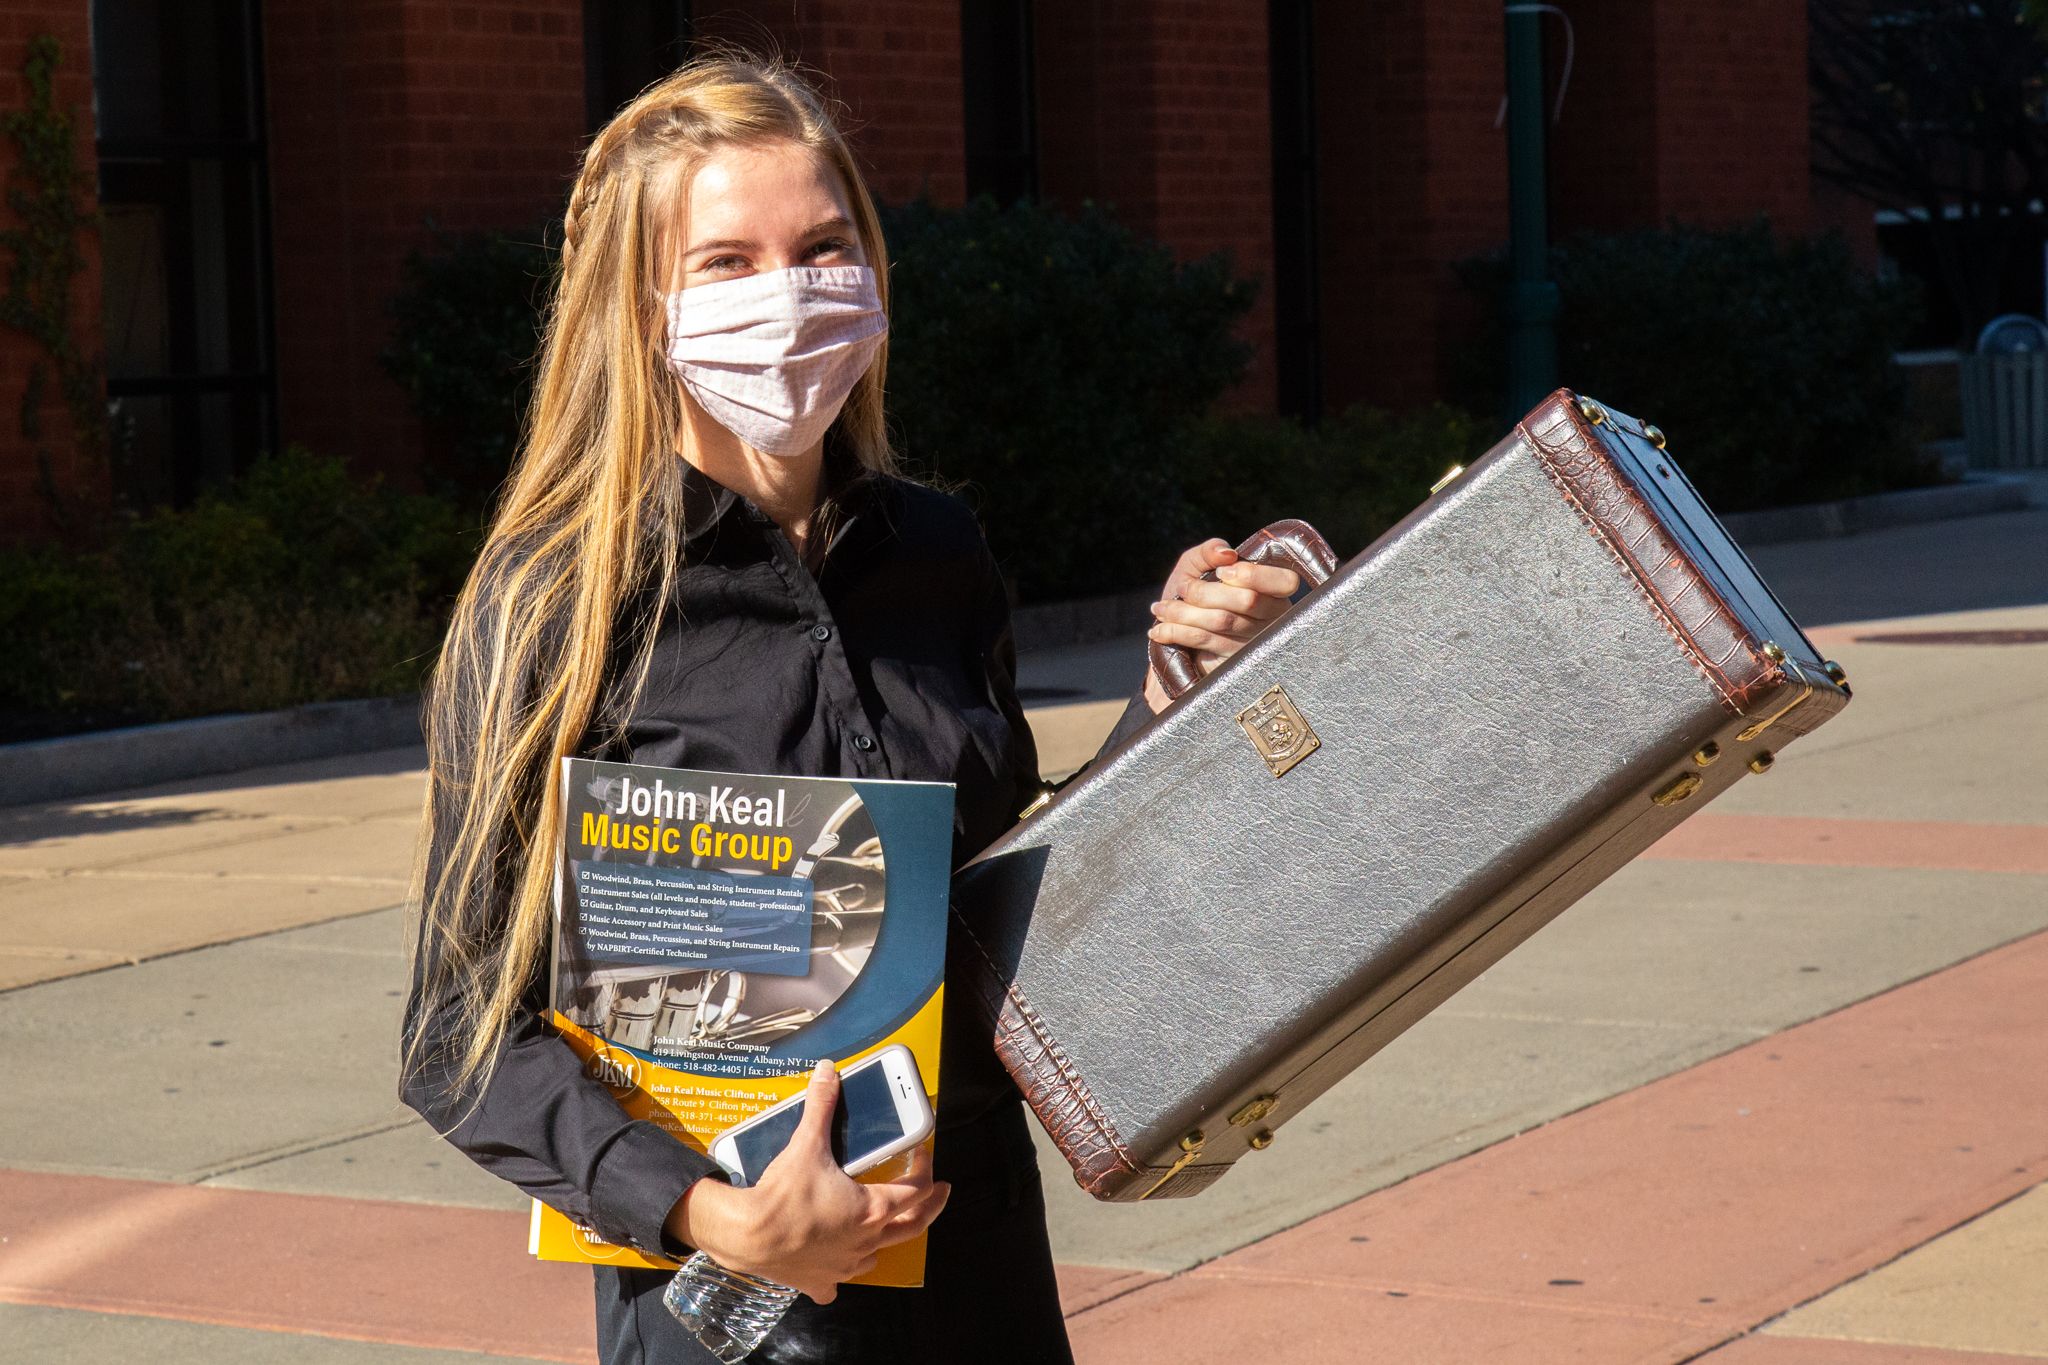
(1278, 731)
(592, 1245)
(612, 1069)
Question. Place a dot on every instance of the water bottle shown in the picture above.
(728, 1311)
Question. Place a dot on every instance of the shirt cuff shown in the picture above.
(638, 1180)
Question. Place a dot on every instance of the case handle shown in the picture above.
(1289, 543)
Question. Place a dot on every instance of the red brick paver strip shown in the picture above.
(363, 1270)
(395, 1273)
(1086, 1286)
(1943, 845)
(1768, 1350)
(1663, 1222)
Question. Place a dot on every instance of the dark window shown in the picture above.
(627, 46)
(997, 114)
(1297, 323)
(1907, 248)
(178, 105)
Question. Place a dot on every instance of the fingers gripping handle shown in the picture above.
(1288, 543)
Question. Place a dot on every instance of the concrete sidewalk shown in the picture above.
(1799, 1039)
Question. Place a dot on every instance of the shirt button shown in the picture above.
(821, 633)
(864, 743)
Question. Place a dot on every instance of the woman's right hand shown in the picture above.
(806, 1223)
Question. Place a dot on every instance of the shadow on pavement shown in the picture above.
(1969, 564)
(28, 824)
(185, 802)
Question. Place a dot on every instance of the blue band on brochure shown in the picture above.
(638, 915)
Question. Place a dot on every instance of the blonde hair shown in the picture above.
(590, 515)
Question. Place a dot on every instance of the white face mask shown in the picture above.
(772, 356)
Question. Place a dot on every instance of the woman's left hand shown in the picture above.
(1215, 619)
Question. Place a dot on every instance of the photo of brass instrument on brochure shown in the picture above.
(770, 966)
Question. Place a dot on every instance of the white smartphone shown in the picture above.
(882, 1111)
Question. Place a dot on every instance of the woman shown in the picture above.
(704, 558)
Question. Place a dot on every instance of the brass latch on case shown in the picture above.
(1190, 1148)
(1677, 789)
(1254, 1110)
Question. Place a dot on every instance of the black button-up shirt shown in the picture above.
(894, 661)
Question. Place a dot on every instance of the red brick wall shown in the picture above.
(24, 511)
(1673, 110)
(384, 113)
(1678, 110)
(1604, 145)
(1160, 108)
(896, 66)
(1156, 106)
(1413, 176)
(1732, 112)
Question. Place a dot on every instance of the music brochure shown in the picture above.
(717, 933)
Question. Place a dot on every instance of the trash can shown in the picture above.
(2005, 395)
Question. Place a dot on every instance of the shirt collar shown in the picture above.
(709, 505)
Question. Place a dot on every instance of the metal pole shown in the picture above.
(1532, 296)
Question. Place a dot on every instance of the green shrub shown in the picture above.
(1059, 370)
(1051, 362)
(466, 335)
(1043, 363)
(1351, 478)
(293, 584)
(1768, 363)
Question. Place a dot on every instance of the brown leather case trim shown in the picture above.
(1662, 574)
(1051, 1085)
